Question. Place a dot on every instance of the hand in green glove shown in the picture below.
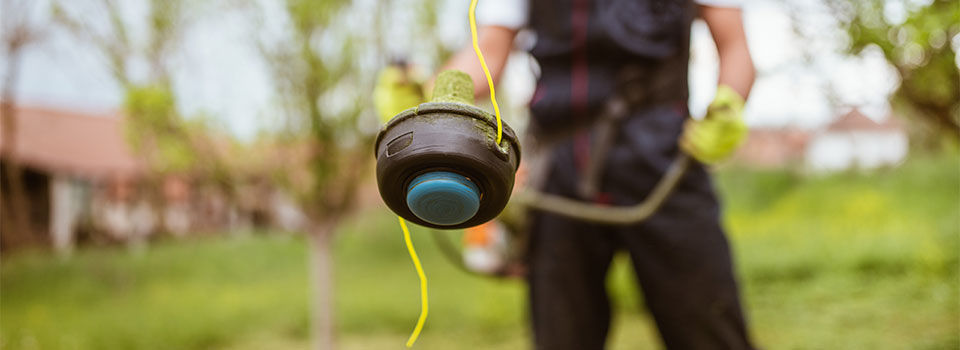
(717, 135)
(395, 92)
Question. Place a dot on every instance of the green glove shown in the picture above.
(395, 92)
(717, 135)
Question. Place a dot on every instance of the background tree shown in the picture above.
(918, 46)
(324, 70)
(17, 32)
(315, 70)
(154, 126)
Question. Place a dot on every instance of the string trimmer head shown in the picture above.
(438, 164)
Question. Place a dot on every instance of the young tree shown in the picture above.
(315, 70)
(918, 46)
(154, 126)
(325, 69)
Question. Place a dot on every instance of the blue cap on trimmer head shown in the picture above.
(443, 198)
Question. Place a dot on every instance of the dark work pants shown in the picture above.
(680, 255)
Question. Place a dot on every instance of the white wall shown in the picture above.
(830, 152)
(833, 151)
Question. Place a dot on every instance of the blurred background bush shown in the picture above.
(196, 174)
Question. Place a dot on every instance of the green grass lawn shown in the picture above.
(847, 261)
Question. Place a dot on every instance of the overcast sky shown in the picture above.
(220, 74)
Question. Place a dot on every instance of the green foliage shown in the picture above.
(920, 50)
(846, 261)
(308, 16)
(156, 129)
(154, 126)
(306, 75)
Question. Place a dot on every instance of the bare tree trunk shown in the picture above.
(321, 272)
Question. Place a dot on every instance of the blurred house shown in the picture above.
(856, 141)
(80, 175)
(853, 140)
(62, 153)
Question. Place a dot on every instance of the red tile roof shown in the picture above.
(857, 121)
(71, 142)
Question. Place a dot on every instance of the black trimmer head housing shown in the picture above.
(437, 160)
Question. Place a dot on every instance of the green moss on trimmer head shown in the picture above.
(453, 86)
